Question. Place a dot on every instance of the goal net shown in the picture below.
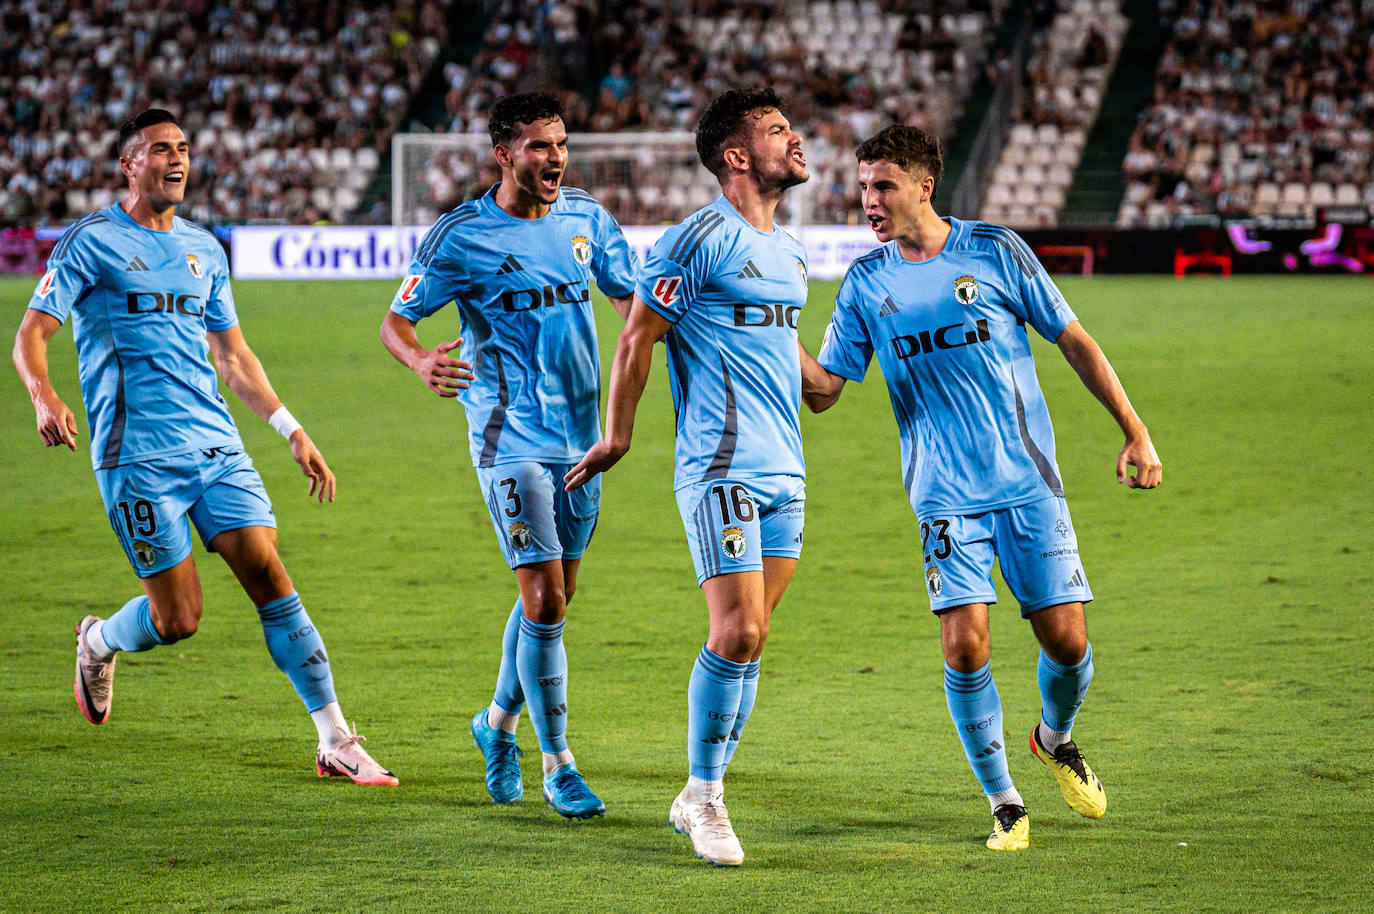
(641, 178)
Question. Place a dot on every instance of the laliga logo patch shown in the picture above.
(145, 553)
(966, 290)
(519, 535)
(935, 582)
(408, 285)
(582, 249)
(45, 285)
(193, 263)
(732, 542)
(665, 289)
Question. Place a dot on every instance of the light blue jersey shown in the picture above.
(950, 335)
(734, 295)
(523, 290)
(141, 302)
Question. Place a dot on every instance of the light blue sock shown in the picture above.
(749, 690)
(508, 693)
(298, 650)
(713, 700)
(543, 667)
(976, 709)
(1062, 689)
(131, 629)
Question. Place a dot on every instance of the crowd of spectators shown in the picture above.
(286, 104)
(844, 68)
(1261, 107)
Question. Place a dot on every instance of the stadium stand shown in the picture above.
(845, 68)
(287, 104)
(1262, 108)
(1066, 74)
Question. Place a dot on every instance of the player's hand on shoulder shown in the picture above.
(1139, 452)
(322, 482)
(443, 375)
(602, 456)
(56, 424)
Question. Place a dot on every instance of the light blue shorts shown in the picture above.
(534, 519)
(732, 524)
(1034, 543)
(149, 502)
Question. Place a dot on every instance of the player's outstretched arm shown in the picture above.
(441, 374)
(56, 424)
(238, 365)
(1082, 352)
(634, 352)
(820, 388)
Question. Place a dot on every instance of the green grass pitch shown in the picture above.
(1230, 718)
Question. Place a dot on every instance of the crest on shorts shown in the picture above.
(1061, 528)
(665, 289)
(582, 249)
(732, 542)
(145, 553)
(193, 263)
(966, 290)
(519, 535)
(935, 582)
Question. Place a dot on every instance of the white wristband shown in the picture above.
(283, 422)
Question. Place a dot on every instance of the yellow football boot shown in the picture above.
(1010, 828)
(1080, 787)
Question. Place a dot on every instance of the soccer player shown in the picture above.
(147, 291)
(518, 263)
(725, 288)
(944, 303)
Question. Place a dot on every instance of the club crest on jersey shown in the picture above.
(193, 264)
(732, 542)
(145, 553)
(935, 582)
(966, 290)
(665, 289)
(519, 535)
(45, 285)
(407, 293)
(582, 249)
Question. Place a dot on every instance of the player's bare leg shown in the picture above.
(168, 611)
(976, 710)
(740, 607)
(1064, 672)
(298, 651)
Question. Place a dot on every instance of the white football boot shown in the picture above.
(707, 823)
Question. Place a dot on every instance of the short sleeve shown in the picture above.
(68, 279)
(847, 347)
(1041, 304)
(429, 286)
(614, 263)
(680, 264)
(220, 313)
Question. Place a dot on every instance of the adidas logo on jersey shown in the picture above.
(1076, 580)
(749, 272)
(511, 265)
(889, 308)
(135, 265)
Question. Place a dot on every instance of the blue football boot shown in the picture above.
(569, 795)
(503, 760)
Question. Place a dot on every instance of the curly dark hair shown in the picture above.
(510, 114)
(722, 123)
(909, 148)
(134, 127)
